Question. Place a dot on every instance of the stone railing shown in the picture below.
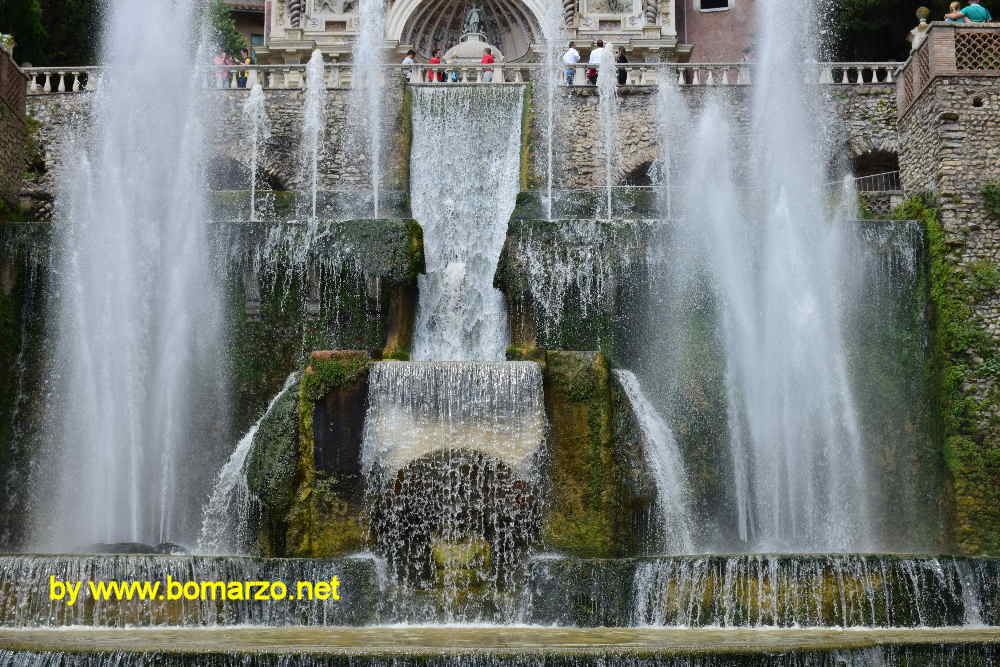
(968, 49)
(48, 80)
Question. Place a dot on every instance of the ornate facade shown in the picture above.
(293, 28)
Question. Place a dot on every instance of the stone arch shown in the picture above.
(636, 163)
(228, 172)
(512, 26)
(874, 162)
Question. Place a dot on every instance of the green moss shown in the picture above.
(962, 354)
(405, 140)
(526, 179)
(320, 522)
(328, 373)
(584, 514)
(991, 193)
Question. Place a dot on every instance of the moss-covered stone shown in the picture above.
(963, 357)
(325, 518)
(584, 514)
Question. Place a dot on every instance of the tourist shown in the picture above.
(570, 59)
(435, 60)
(974, 12)
(595, 62)
(241, 76)
(955, 8)
(221, 76)
(408, 64)
(622, 72)
(487, 60)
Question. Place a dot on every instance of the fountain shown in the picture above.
(141, 356)
(367, 92)
(313, 130)
(458, 450)
(259, 131)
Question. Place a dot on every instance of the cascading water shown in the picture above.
(138, 326)
(607, 86)
(464, 182)
(801, 480)
(313, 130)
(367, 102)
(451, 456)
(664, 460)
(259, 131)
(226, 516)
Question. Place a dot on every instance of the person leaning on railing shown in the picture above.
(974, 12)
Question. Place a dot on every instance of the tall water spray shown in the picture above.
(464, 181)
(771, 246)
(551, 73)
(367, 91)
(607, 86)
(136, 356)
(313, 129)
(259, 131)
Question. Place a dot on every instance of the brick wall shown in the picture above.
(12, 127)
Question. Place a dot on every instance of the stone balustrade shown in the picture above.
(949, 49)
(50, 80)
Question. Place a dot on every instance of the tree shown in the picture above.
(222, 28)
(23, 20)
(73, 28)
(874, 30)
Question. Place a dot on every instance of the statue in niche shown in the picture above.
(473, 20)
(609, 6)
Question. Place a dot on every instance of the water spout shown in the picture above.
(259, 130)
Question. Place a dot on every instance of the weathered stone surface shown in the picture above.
(584, 513)
(950, 147)
(13, 130)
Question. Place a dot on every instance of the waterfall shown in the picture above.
(763, 590)
(771, 249)
(259, 131)
(138, 335)
(226, 515)
(313, 129)
(664, 459)
(607, 86)
(463, 184)
(451, 456)
(367, 104)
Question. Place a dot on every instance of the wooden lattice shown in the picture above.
(907, 87)
(923, 67)
(977, 50)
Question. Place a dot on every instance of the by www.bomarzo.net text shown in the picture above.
(70, 592)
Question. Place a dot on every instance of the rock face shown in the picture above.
(13, 130)
(950, 142)
(591, 508)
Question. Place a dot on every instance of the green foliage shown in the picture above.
(876, 29)
(73, 28)
(963, 355)
(991, 192)
(223, 28)
(23, 20)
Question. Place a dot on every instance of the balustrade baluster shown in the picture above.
(680, 76)
(888, 74)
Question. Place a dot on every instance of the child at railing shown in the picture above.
(974, 13)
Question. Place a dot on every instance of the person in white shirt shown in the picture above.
(595, 62)
(408, 63)
(571, 58)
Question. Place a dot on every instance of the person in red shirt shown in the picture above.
(487, 60)
(435, 60)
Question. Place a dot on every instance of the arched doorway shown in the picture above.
(510, 25)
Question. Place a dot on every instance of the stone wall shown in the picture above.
(866, 122)
(950, 148)
(12, 128)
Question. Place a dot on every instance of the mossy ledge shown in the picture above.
(325, 518)
(963, 370)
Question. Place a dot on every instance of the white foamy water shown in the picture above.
(313, 131)
(259, 130)
(367, 102)
(463, 185)
(137, 348)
